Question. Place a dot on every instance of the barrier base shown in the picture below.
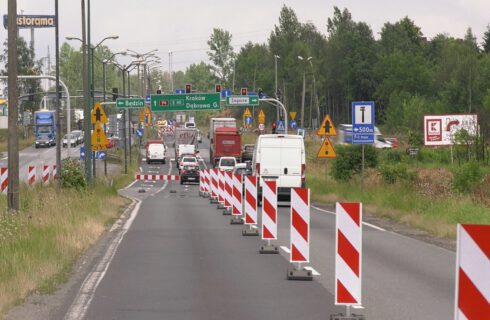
(250, 232)
(220, 206)
(141, 191)
(341, 316)
(205, 195)
(201, 194)
(227, 212)
(266, 249)
(300, 274)
(237, 220)
(173, 191)
(213, 201)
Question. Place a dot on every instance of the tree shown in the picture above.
(486, 40)
(221, 54)
(200, 76)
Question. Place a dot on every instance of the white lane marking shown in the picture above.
(286, 249)
(364, 223)
(141, 169)
(87, 291)
(130, 185)
(313, 271)
(358, 307)
(165, 184)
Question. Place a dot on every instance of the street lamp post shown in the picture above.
(275, 92)
(304, 92)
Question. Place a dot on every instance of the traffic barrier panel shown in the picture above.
(250, 206)
(207, 187)
(221, 189)
(300, 234)
(55, 172)
(201, 182)
(214, 184)
(31, 175)
(4, 179)
(472, 272)
(269, 215)
(228, 189)
(157, 177)
(348, 254)
(45, 175)
(237, 191)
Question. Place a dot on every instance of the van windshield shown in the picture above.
(156, 147)
(227, 162)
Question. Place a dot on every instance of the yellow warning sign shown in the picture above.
(99, 140)
(98, 114)
(261, 117)
(292, 115)
(327, 128)
(247, 113)
(326, 150)
(142, 116)
(147, 118)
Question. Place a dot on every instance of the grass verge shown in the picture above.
(40, 244)
(23, 142)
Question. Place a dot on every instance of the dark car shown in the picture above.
(189, 173)
(248, 152)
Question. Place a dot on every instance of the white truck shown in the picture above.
(184, 136)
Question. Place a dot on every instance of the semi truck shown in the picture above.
(45, 128)
(184, 136)
(226, 143)
(218, 123)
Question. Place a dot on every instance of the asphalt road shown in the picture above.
(181, 259)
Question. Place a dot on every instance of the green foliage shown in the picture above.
(221, 54)
(72, 175)
(415, 138)
(434, 156)
(392, 173)
(349, 161)
(393, 156)
(467, 176)
(200, 76)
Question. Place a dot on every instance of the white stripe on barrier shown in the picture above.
(300, 225)
(4, 179)
(250, 200)
(214, 183)
(237, 194)
(269, 210)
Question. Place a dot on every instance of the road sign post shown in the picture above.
(363, 127)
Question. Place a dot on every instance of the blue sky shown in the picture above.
(185, 26)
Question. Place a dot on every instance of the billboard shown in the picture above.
(32, 21)
(440, 129)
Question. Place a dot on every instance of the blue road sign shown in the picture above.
(148, 99)
(100, 155)
(170, 122)
(225, 93)
(280, 126)
(139, 132)
(363, 122)
(180, 91)
(248, 120)
(82, 153)
(293, 124)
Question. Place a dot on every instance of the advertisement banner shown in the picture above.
(439, 130)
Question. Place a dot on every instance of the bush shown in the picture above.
(415, 139)
(349, 161)
(72, 175)
(467, 177)
(393, 156)
(434, 155)
(392, 173)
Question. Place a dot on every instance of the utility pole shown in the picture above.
(86, 99)
(13, 140)
(303, 101)
(57, 99)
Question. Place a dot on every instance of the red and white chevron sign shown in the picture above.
(473, 272)
(201, 181)
(300, 225)
(45, 175)
(207, 188)
(269, 210)
(214, 183)
(31, 175)
(348, 255)
(228, 189)
(157, 177)
(4, 182)
(237, 194)
(250, 200)
(221, 186)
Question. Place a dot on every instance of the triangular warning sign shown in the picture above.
(327, 128)
(99, 140)
(98, 114)
(326, 150)
(247, 113)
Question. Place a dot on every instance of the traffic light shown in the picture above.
(114, 94)
(244, 91)
(187, 88)
(217, 88)
(159, 91)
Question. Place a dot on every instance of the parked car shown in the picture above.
(69, 139)
(248, 152)
(155, 151)
(79, 136)
(394, 142)
(189, 173)
(226, 163)
(280, 157)
(113, 142)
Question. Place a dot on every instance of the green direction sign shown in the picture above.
(126, 103)
(242, 101)
(185, 102)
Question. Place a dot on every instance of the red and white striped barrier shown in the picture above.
(55, 172)
(207, 187)
(237, 195)
(348, 254)
(214, 183)
(157, 177)
(250, 200)
(228, 189)
(473, 272)
(4, 181)
(45, 175)
(269, 210)
(221, 186)
(300, 225)
(201, 181)
(31, 175)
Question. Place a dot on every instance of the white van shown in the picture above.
(280, 157)
(155, 153)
